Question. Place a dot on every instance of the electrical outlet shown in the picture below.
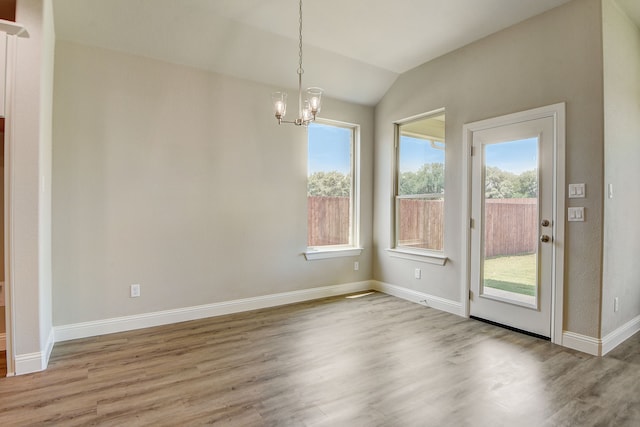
(135, 291)
(356, 266)
(418, 273)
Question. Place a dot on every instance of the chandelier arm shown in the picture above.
(292, 122)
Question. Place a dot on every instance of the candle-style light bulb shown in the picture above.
(279, 104)
(314, 95)
(307, 114)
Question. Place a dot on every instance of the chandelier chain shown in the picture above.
(300, 69)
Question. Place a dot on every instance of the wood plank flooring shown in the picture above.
(3, 364)
(370, 361)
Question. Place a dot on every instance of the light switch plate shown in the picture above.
(575, 214)
(577, 191)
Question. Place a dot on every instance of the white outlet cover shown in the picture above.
(135, 291)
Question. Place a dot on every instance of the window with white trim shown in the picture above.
(332, 186)
(419, 184)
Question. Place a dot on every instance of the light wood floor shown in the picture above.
(371, 361)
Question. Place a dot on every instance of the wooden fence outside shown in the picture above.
(327, 220)
(421, 223)
(511, 225)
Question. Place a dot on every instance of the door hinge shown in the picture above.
(470, 295)
(470, 222)
(472, 151)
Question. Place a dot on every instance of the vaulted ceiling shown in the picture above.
(354, 49)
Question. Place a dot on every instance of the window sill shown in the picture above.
(314, 254)
(428, 257)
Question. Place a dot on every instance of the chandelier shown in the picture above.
(307, 109)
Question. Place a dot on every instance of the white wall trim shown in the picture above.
(583, 343)
(48, 349)
(431, 258)
(313, 254)
(621, 334)
(35, 362)
(572, 340)
(442, 304)
(28, 363)
(597, 346)
(146, 320)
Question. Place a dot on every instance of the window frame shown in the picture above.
(353, 248)
(430, 256)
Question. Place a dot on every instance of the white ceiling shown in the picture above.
(354, 49)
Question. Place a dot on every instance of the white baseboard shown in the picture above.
(597, 346)
(34, 362)
(28, 363)
(146, 320)
(453, 307)
(583, 343)
(618, 336)
(48, 348)
(3, 341)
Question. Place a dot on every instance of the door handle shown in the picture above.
(544, 238)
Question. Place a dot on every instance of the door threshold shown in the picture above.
(511, 328)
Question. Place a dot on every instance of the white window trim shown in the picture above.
(326, 252)
(430, 257)
(419, 255)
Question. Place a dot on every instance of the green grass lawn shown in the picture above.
(511, 273)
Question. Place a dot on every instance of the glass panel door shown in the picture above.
(512, 227)
(510, 245)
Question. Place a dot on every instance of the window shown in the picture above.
(332, 189)
(420, 186)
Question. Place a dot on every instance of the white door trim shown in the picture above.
(9, 195)
(557, 112)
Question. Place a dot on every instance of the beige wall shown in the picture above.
(551, 58)
(182, 181)
(621, 270)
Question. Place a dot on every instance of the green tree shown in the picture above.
(527, 184)
(500, 184)
(429, 179)
(329, 184)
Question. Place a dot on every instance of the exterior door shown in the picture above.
(512, 191)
